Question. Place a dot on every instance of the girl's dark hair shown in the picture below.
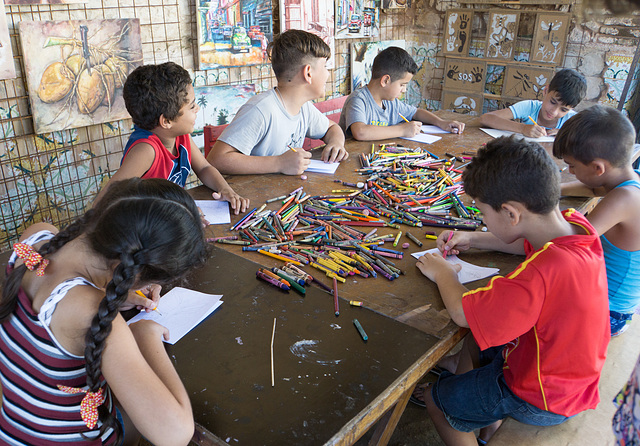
(153, 229)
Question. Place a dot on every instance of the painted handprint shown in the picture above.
(477, 73)
(452, 72)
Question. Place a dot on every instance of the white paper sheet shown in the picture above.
(498, 133)
(469, 271)
(423, 138)
(319, 166)
(432, 129)
(216, 212)
(181, 310)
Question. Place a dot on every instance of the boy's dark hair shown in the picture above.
(292, 50)
(152, 229)
(154, 90)
(597, 132)
(513, 169)
(393, 61)
(570, 85)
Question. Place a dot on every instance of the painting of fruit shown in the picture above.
(76, 70)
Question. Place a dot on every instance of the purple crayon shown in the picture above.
(271, 280)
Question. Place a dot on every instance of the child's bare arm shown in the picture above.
(211, 178)
(503, 120)
(463, 240)
(364, 132)
(427, 117)
(334, 151)
(618, 206)
(228, 160)
(579, 189)
(138, 161)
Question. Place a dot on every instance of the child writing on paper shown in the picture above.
(267, 133)
(536, 119)
(374, 111)
(73, 371)
(161, 102)
(537, 362)
(597, 145)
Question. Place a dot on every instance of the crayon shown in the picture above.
(271, 280)
(336, 305)
(360, 330)
(355, 303)
(140, 293)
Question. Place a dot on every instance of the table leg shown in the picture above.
(389, 421)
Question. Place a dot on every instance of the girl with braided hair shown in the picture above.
(71, 369)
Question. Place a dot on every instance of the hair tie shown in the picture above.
(32, 258)
(89, 405)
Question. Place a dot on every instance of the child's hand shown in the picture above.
(147, 302)
(534, 131)
(453, 126)
(461, 241)
(410, 129)
(432, 265)
(238, 204)
(334, 153)
(294, 163)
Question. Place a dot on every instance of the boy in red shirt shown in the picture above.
(543, 329)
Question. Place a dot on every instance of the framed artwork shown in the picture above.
(525, 82)
(550, 37)
(464, 74)
(76, 68)
(396, 4)
(463, 103)
(233, 33)
(362, 55)
(357, 18)
(457, 32)
(219, 105)
(501, 34)
(314, 16)
(42, 2)
(7, 67)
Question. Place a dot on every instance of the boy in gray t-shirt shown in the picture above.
(374, 112)
(267, 133)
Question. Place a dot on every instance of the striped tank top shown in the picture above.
(32, 364)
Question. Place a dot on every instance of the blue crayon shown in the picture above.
(360, 330)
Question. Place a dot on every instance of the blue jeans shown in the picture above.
(481, 397)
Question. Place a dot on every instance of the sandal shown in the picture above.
(414, 399)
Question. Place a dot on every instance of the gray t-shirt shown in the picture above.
(263, 127)
(361, 107)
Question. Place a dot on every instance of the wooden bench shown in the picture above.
(592, 427)
(331, 108)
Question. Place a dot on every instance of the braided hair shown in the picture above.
(153, 229)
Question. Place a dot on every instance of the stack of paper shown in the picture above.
(216, 212)
(180, 310)
(423, 138)
(469, 271)
(319, 166)
(498, 133)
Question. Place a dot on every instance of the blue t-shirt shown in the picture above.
(361, 107)
(623, 271)
(523, 109)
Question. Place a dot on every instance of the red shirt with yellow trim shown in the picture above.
(553, 314)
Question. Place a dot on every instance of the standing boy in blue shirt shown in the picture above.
(267, 133)
(597, 144)
(565, 91)
(374, 111)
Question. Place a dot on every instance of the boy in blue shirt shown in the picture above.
(597, 144)
(374, 111)
(565, 91)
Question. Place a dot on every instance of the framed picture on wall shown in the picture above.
(70, 87)
(233, 34)
(464, 74)
(314, 16)
(550, 37)
(502, 29)
(357, 18)
(457, 32)
(462, 102)
(525, 82)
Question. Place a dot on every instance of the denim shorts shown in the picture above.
(481, 397)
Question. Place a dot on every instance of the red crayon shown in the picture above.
(335, 296)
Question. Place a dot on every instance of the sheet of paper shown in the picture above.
(216, 212)
(469, 271)
(498, 133)
(432, 129)
(319, 166)
(181, 310)
(424, 138)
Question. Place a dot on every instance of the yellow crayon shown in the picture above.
(355, 303)
(395, 242)
(140, 293)
(431, 237)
